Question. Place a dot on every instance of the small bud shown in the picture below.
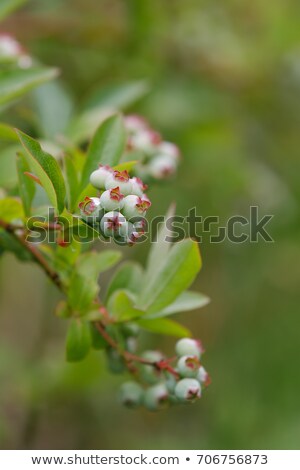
(114, 224)
(203, 376)
(90, 209)
(112, 199)
(162, 166)
(120, 179)
(138, 187)
(156, 397)
(131, 394)
(135, 206)
(188, 390)
(99, 177)
(188, 366)
(189, 347)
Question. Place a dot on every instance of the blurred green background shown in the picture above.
(225, 86)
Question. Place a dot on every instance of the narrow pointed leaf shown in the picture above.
(78, 340)
(121, 307)
(26, 185)
(185, 302)
(129, 276)
(164, 326)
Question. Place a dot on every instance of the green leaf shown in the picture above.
(84, 286)
(107, 146)
(175, 274)
(15, 83)
(8, 169)
(7, 133)
(26, 185)
(129, 277)
(98, 342)
(164, 326)
(128, 166)
(53, 108)
(47, 169)
(186, 301)
(118, 96)
(121, 307)
(78, 340)
(11, 209)
(72, 182)
(8, 6)
(9, 243)
(159, 248)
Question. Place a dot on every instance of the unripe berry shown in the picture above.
(114, 224)
(91, 210)
(135, 206)
(189, 347)
(120, 179)
(188, 390)
(112, 199)
(149, 373)
(137, 186)
(99, 177)
(156, 397)
(115, 361)
(135, 123)
(147, 140)
(162, 166)
(131, 394)
(203, 376)
(188, 366)
(167, 148)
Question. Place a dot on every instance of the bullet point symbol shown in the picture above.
(188, 459)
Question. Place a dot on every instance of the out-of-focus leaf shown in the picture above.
(107, 146)
(83, 127)
(26, 185)
(159, 248)
(7, 133)
(78, 340)
(15, 83)
(9, 243)
(175, 274)
(11, 209)
(47, 169)
(8, 6)
(72, 182)
(118, 96)
(54, 109)
(98, 342)
(8, 169)
(121, 306)
(63, 310)
(164, 326)
(129, 277)
(186, 301)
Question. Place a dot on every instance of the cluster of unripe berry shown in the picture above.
(166, 385)
(119, 211)
(159, 158)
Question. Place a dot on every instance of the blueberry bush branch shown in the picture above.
(93, 172)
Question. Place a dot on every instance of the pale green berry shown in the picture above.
(137, 186)
(99, 176)
(146, 140)
(162, 166)
(135, 206)
(188, 390)
(150, 373)
(91, 210)
(156, 397)
(189, 347)
(135, 123)
(188, 366)
(121, 180)
(202, 376)
(114, 224)
(170, 149)
(131, 394)
(112, 199)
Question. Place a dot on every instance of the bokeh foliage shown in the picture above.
(224, 81)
